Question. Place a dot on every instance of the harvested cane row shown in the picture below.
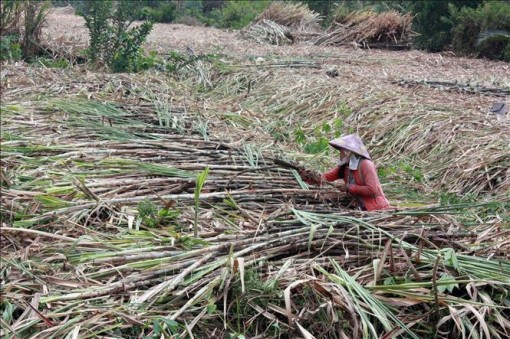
(276, 276)
(128, 163)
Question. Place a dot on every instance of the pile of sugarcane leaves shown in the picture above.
(113, 226)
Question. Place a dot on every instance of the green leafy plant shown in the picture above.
(401, 169)
(53, 63)
(165, 12)
(163, 327)
(431, 22)
(318, 141)
(112, 40)
(10, 48)
(11, 12)
(201, 178)
(149, 60)
(151, 216)
(35, 16)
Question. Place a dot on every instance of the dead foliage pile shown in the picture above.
(297, 17)
(364, 28)
(283, 23)
(267, 31)
(369, 29)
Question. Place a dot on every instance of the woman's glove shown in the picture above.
(305, 174)
(309, 176)
(341, 186)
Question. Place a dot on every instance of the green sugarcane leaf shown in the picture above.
(446, 287)
(201, 178)
(172, 324)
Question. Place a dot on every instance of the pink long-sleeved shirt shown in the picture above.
(367, 187)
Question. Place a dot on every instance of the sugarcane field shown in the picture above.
(184, 179)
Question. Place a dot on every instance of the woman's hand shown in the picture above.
(306, 174)
(341, 186)
(310, 177)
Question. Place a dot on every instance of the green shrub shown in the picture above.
(236, 14)
(466, 28)
(10, 48)
(433, 24)
(192, 16)
(128, 56)
(164, 13)
(495, 15)
(482, 31)
(496, 48)
(112, 41)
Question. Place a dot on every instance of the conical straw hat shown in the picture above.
(351, 142)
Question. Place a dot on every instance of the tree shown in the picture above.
(112, 40)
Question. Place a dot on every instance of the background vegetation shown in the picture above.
(21, 24)
(474, 28)
(468, 27)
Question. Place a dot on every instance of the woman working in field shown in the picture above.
(358, 173)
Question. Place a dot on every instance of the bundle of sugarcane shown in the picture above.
(367, 28)
(107, 179)
(283, 23)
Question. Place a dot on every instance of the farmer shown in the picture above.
(358, 173)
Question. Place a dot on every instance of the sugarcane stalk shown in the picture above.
(171, 284)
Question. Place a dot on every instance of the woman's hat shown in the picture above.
(351, 142)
